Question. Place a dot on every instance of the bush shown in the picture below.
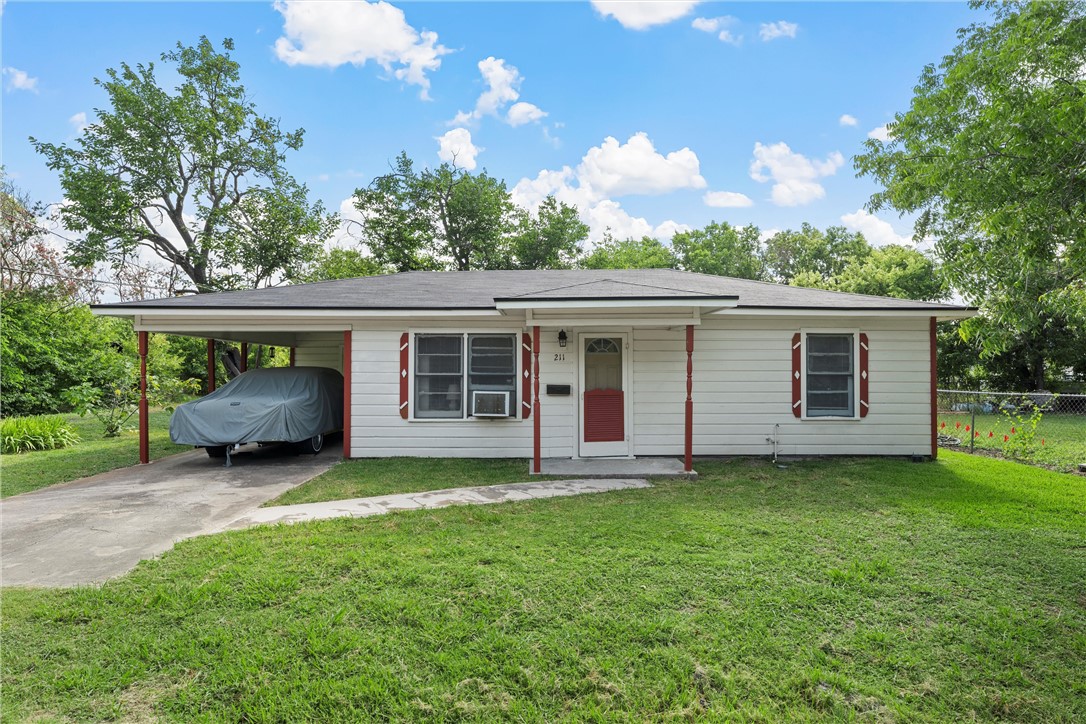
(41, 432)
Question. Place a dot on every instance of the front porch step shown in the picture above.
(616, 468)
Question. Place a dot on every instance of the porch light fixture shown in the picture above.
(562, 338)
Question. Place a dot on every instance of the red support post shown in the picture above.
(244, 356)
(210, 366)
(934, 391)
(346, 393)
(291, 356)
(537, 459)
(145, 446)
(688, 449)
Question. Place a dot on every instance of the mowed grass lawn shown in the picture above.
(93, 454)
(1060, 440)
(867, 589)
(385, 476)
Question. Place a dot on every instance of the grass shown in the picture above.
(92, 455)
(844, 589)
(1064, 436)
(384, 476)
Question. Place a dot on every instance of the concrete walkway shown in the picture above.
(96, 528)
(381, 504)
(661, 467)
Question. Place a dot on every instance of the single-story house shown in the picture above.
(593, 363)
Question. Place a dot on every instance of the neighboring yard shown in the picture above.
(92, 455)
(1063, 436)
(875, 589)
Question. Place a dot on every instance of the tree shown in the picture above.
(196, 176)
(990, 158)
(721, 249)
(890, 271)
(443, 218)
(549, 239)
(826, 254)
(340, 264)
(28, 262)
(644, 253)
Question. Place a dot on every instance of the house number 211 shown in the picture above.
(559, 356)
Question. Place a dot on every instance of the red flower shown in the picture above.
(967, 428)
(991, 434)
(1013, 431)
(957, 425)
(942, 426)
(1005, 438)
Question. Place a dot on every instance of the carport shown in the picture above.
(322, 341)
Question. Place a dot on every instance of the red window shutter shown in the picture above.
(863, 375)
(526, 376)
(405, 356)
(797, 375)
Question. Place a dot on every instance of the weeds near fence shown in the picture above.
(39, 432)
(1041, 429)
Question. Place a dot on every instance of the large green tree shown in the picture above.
(196, 176)
(721, 249)
(823, 253)
(991, 157)
(550, 238)
(889, 271)
(644, 253)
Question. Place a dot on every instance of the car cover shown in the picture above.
(287, 404)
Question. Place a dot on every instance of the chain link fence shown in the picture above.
(1037, 427)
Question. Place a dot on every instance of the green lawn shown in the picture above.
(383, 476)
(93, 454)
(1060, 441)
(867, 589)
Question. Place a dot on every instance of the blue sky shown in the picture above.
(649, 116)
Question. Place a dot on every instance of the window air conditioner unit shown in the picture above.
(489, 404)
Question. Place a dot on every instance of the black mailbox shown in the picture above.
(558, 389)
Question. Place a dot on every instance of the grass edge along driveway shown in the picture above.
(834, 589)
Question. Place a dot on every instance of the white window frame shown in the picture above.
(514, 401)
(855, 332)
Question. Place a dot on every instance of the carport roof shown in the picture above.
(495, 289)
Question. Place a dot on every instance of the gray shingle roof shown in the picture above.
(482, 289)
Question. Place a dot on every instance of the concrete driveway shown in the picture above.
(96, 528)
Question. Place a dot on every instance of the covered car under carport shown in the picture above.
(313, 341)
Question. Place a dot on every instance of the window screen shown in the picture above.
(444, 383)
(831, 375)
(439, 376)
(492, 364)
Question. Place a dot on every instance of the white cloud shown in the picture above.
(521, 113)
(456, 147)
(634, 167)
(794, 175)
(847, 120)
(643, 14)
(727, 200)
(719, 26)
(328, 33)
(874, 229)
(779, 29)
(502, 88)
(767, 234)
(79, 122)
(614, 169)
(881, 133)
(20, 80)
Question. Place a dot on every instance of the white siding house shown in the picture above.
(628, 363)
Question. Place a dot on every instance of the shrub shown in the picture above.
(40, 432)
